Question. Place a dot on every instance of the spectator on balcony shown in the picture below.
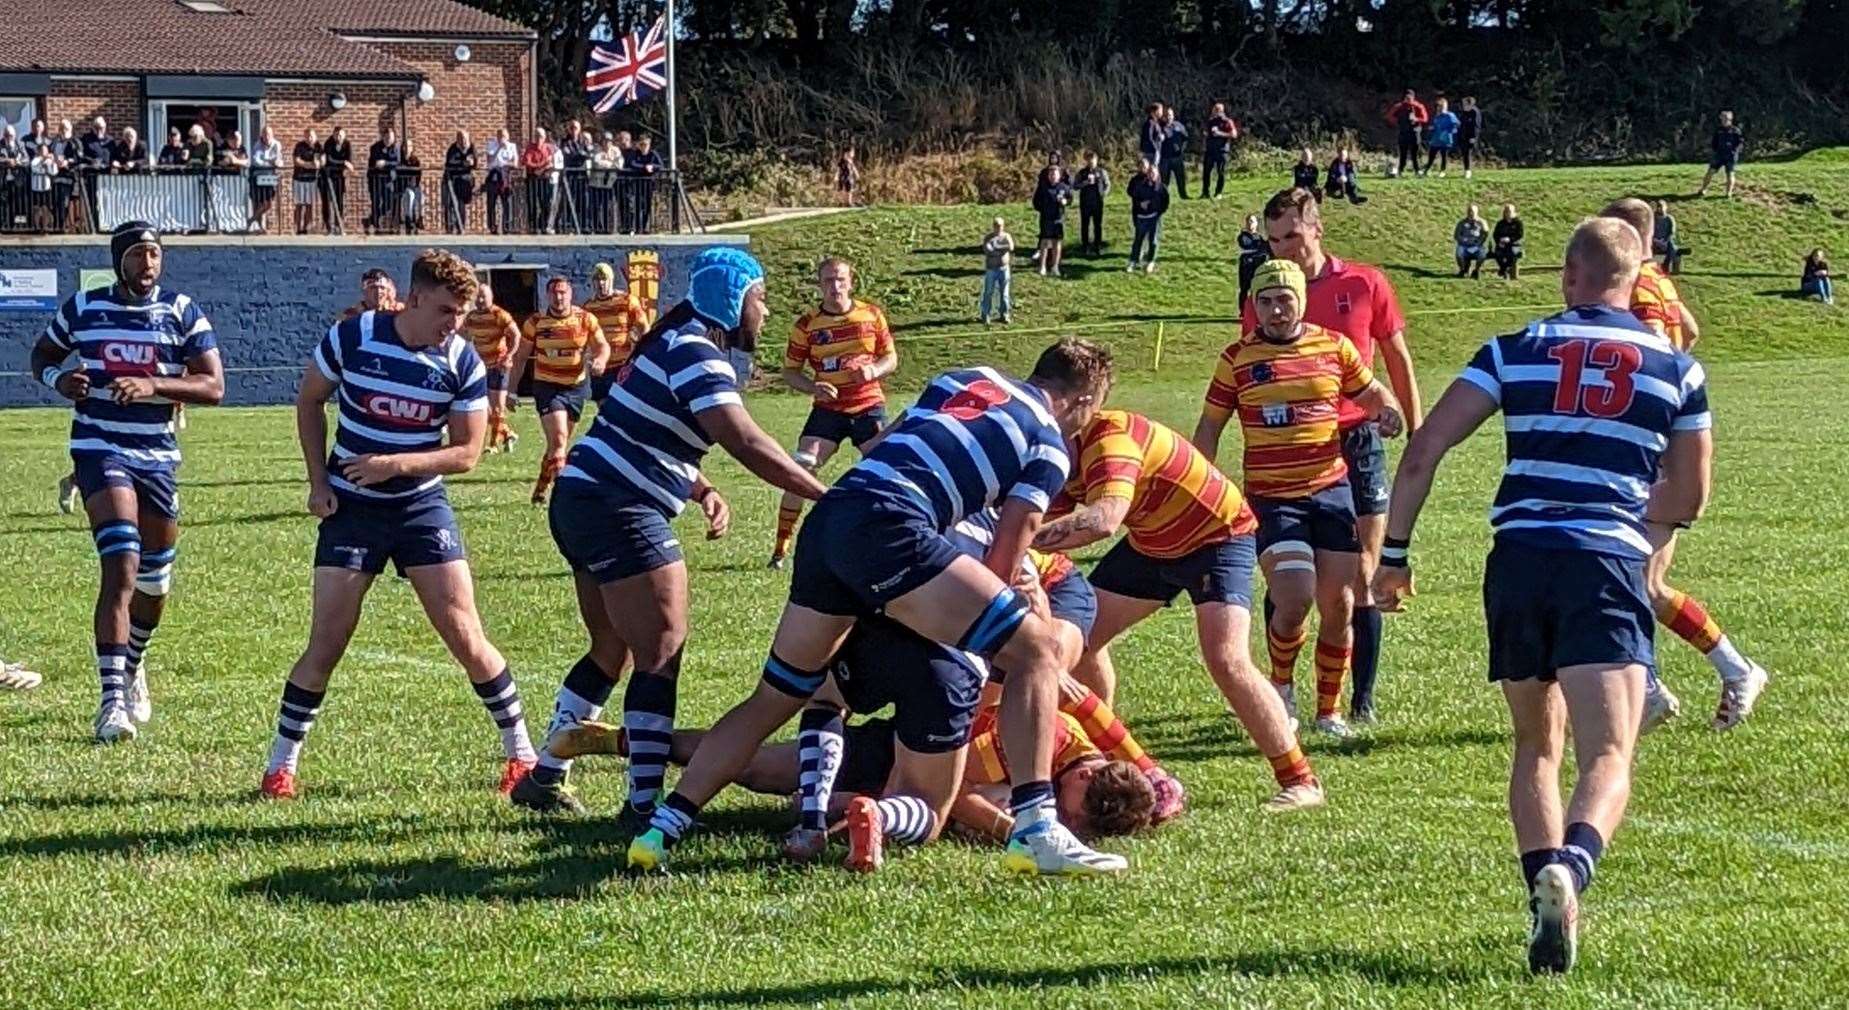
(606, 166)
(307, 161)
(625, 184)
(65, 148)
(408, 191)
(646, 164)
(265, 176)
(575, 151)
(232, 154)
(36, 139)
(173, 155)
(337, 164)
(129, 154)
(459, 164)
(541, 181)
(381, 166)
(44, 169)
(15, 181)
(94, 157)
(198, 149)
(503, 163)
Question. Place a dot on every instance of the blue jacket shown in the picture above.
(1443, 131)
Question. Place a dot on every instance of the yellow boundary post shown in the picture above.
(1156, 365)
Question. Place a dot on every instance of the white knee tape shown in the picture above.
(1292, 547)
(1294, 564)
(805, 459)
(154, 581)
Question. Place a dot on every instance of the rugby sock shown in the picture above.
(648, 721)
(1366, 657)
(293, 720)
(502, 700)
(548, 472)
(1331, 670)
(787, 518)
(112, 671)
(1107, 732)
(673, 816)
(138, 635)
(1533, 863)
(906, 819)
(1031, 803)
(1581, 853)
(497, 429)
(1284, 653)
(819, 745)
(581, 698)
(1684, 615)
(1291, 767)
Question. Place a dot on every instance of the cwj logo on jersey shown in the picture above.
(398, 410)
(136, 357)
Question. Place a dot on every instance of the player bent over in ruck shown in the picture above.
(1607, 433)
(403, 379)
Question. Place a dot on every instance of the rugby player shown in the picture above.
(557, 340)
(1357, 301)
(848, 347)
(378, 293)
(876, 543)
(1287, 382)
(1656, 302)
(1607, 432)
(496, 337)
(141, 351)
(403, 379)
(1189, 530)
(622, 317)
(625, 481)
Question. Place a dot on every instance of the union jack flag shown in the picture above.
(632, 70)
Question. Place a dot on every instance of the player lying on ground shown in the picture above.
(876, 543)
(624, 482)
(141, 351)
(1607, 433)
(404, 380)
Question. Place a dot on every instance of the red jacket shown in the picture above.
(1419, 116)
(537, 158)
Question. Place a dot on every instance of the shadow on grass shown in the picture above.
(132, 842)
(279, 482)
(1427, 273)
(945, 273)
(1207, 738)
(1788, 294)
(955, 250)
(1393, 968)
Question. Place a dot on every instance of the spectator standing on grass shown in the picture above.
(1441, 137)
(1149, 143)
(536, 162)
(1408, 115)
(1469, 131)
(1663, 242)
(1343, 180)
(1508, 244)
(459, 164)
(173, 154)
(1222, 130)
(1725, 146)
(1303, 173)
(1472, 238)
(337, 165)
(130, 154)
(997, 272)
(503, 167)
(1148, 202)
(1051, 198)
(265, 176)
(1254, 250)
(847, 177)
(1816, 280)
(1093, 184)
(1174, 152)
(304, 178)
(381, 167)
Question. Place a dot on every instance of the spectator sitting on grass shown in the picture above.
(1508, 248)
(1148, 202)
(1440, 138)
(1342, 179)
(1050, 200)
(1254, 250)
(1472, 235)
(1303, 173)
(997, 271)
(1663, 243)
(1816, 282)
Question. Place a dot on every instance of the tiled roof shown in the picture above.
(259, 37)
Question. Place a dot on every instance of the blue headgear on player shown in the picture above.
(717, 282)
(127, 236)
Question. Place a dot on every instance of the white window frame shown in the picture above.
(33, 111)
(250, 117)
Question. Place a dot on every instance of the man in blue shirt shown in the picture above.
(1608, 438)
(1726, 145)
(1174, 163)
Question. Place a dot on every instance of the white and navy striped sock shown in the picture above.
(580, 699)
(112, 671)
(293, 720)
(818, 747)
(648, 722)
(906, 819)
(138, 635)
(502, 700)
(673, 816)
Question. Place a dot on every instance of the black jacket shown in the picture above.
(1148, 197)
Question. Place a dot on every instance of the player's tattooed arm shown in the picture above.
(1087, 525)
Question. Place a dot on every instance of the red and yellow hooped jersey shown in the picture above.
(1288, 399)
(620, 316)
(487, 330)
(559, 343)
(1179, 501)
(1657, 304)
(989, 766)
(358, 309)
(833, 345)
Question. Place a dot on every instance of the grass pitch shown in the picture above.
(148, 876)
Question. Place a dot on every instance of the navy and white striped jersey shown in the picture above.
(114, 338)
(395, 398)
(1589, 399)
(647, 443)
(974, 438)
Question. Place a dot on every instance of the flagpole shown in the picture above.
(673, 138)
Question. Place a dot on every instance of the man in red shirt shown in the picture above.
(1356, 300)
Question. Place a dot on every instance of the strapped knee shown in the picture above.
(995, 625)
(807, 460)
(116, 538)
(1291, 556)
(154, 576)
(789, 680)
